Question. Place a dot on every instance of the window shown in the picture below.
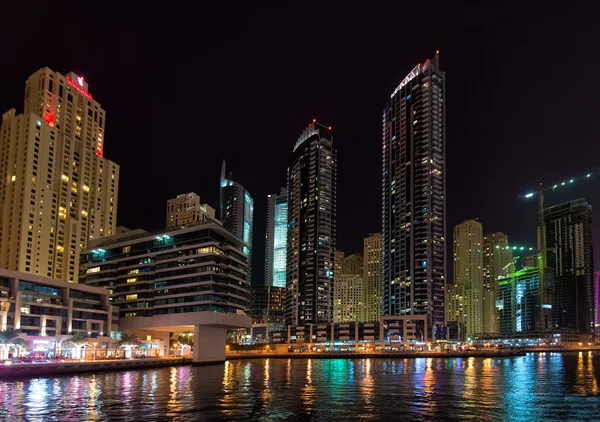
(131, 297)
(127, 249)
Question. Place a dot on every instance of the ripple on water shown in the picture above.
(543, 386)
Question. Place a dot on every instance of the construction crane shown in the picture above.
(542, 249)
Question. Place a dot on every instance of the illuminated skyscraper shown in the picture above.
(57, 190)
(372, 278)
(597, 300)
(311, 227)
(347, 298)
(237, 210)
(413, 197)
(569, 251)
(468, 274)
(276, 239)
(497, 262)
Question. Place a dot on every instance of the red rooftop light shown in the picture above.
(329, 128)
(437, 52)
(314, 120)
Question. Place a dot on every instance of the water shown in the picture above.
(535, 387)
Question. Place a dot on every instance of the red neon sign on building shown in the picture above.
(78, 88)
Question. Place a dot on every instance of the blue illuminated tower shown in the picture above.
(276, 238)
(237, 210)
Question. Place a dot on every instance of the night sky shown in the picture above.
(185, 88)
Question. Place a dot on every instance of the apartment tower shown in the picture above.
(311, 227)
(413, 197)
(185, 210)
(57, 190)
(468, 274)
(372, 278)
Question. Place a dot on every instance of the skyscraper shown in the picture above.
(353, 264)
(597, 300)
(311, 227)
(468, 273)
(57, 191)
(569, 251)
(347, 298)
(186, 210)
(276, 239)
(413, 197)
(237, 210)
(497, 262)
(372, 278)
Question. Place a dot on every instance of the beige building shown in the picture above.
(497, 262)
(468, 273)
(338, 263)
(454, 307)
(186, 210)
(347, 298)
(372, 288)
(353, 264)
(56, 190)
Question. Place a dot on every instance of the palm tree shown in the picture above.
(7, 339)
(128, 341)
(185, 340)
(79, 340)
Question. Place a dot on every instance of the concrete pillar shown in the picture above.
(209, 345)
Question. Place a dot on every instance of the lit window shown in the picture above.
(132, 280)
(131, 297)
(13, 178)
(92, 270)
(65, 178)
(127, 249)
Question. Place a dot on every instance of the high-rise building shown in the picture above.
(531, 261)
(519, 300)
(497, 262)
(353, 264)
(57, 191)
(597, 300)
(455, 312)
(311, 227)
(276, 239)
(413, 197)
(237, 210)
(186, 210)
(569, 251)
(338, 262)
(347, 298)
(372, 278)
(468, 273)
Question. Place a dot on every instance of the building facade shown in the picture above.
(197, 269)
(519, 300)
(413, 197)
(497, 262)
(57, 190)
(468, 274)
(569, 251)
(45, 307)
(354, 264)
(311, 234)
(372, 287)
(186, 210)
(347, 298)
(267, 305)
(597, 301)
(276, 239)
(237, 210)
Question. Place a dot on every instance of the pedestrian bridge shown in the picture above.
(210, 330)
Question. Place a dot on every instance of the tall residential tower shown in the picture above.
(413, 197)
(311, 227)
(372, 278)
(276, 239)
(237, 210)
(57, 190)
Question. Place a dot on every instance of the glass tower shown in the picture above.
(237, 210)
(276, 239)
(413, 197)
(311, 227)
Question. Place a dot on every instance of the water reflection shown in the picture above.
(533, 387)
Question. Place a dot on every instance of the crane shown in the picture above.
(542, 249)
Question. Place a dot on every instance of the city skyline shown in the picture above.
(344, 98)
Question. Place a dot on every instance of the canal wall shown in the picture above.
(29, 370)
(383, 355)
